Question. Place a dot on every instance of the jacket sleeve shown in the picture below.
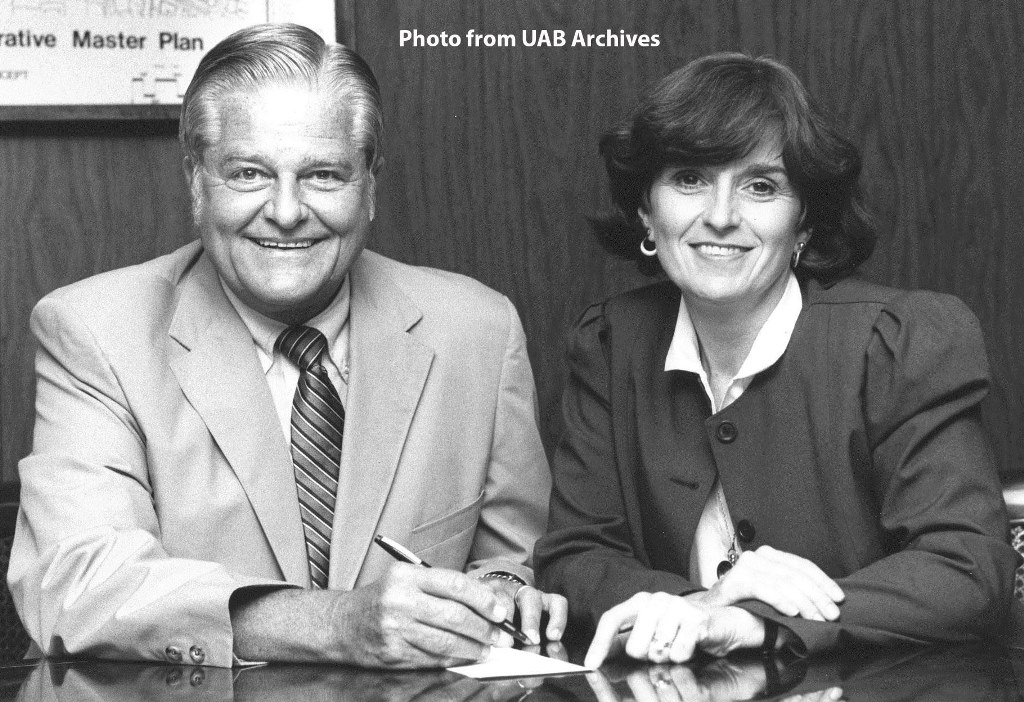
(514, 512)
(589, 553)
(949, 573)
(88, 573)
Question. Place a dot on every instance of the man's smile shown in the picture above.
(273, 244)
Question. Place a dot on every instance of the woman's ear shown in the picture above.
(801, 226)
(644, 216)
(804, 235)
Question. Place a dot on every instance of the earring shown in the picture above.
(648, 250)
(796, 254)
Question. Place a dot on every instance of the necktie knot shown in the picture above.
(305, 346)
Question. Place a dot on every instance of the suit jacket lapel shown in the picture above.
(388, 371)
(654, 389)
(221, 376)
(666, 414)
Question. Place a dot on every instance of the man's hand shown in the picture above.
(279, 683)
(793, 585)
(413, 617)
(531, 604)
(660, 627)
(424, 617)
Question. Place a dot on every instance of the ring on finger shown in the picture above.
(659, 647)
(515, 597)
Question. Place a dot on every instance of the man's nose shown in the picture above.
(720, 210)
(285, 206)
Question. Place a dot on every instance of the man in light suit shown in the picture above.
(161, 517)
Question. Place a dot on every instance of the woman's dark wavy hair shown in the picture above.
(717, 109)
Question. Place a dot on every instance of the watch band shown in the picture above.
(503, 575)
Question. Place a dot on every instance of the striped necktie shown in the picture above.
(318, 424)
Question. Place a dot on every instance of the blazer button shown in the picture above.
(727, 432)
(197, 677)
(198, 655)
(745, 530)
(173, 653)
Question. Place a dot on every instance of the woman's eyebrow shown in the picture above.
(765, 169)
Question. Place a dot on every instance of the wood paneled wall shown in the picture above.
(75, 199)
(492, 167)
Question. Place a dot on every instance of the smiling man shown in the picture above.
(221, 432)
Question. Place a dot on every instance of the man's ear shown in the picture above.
(188, 167)
(371, 194)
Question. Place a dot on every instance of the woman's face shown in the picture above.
(726, 234)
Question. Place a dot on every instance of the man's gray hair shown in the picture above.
(264, 54)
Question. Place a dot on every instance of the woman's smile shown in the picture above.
(718, 251)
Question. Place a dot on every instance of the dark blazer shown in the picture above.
(861, 449)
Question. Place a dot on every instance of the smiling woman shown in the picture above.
(725, 234)
(763, 450)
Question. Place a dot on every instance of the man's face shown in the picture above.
(283, 198)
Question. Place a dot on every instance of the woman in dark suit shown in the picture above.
(762, 450)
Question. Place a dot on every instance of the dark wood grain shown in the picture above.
(72, 206)
(492, 166)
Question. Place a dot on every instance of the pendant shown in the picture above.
(731, 557)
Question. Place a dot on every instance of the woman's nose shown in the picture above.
(720, 210)
(285, 206)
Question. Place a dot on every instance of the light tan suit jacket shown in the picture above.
(160, 480)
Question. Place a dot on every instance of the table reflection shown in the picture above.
(955, 673)
(948, 673)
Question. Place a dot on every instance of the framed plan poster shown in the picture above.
(128, 55)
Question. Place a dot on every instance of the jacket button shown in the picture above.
(173, 653)
(745, 530)
(727, 432)
(197, 677)
(198, 655)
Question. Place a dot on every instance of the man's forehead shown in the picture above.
(279, 111)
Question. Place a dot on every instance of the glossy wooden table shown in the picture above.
(957, 673)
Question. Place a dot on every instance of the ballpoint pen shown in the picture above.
(401, 553)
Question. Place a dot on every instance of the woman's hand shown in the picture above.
(531, 603)
(724, 680)
(721, 681)
(793, 585)
(660, 627)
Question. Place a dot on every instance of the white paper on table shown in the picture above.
(510, 663)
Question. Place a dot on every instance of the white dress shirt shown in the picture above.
(282, 373)
(715, 530)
